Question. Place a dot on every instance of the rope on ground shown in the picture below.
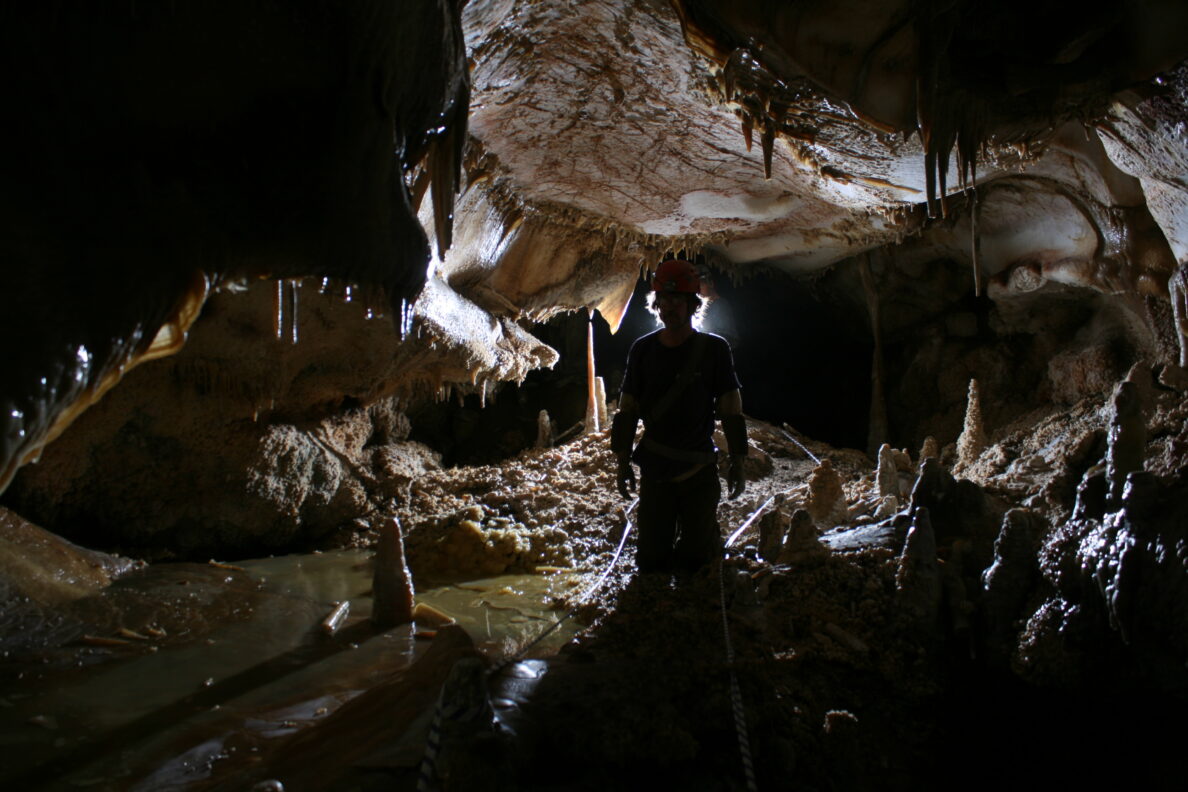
(515, 658)
(747, 522)
(800, 445)
(427, 775)
(736, 702)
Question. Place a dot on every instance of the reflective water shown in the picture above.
(156, 715)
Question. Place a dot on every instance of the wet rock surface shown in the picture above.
(961, 612)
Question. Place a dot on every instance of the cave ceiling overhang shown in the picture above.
(1031, 144)
(797, 135)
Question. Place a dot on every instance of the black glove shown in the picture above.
(736, 481)
(626, 478)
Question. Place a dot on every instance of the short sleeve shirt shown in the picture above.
(688, 422)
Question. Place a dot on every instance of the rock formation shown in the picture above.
(271, 267)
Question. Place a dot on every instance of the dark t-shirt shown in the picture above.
(688, 423)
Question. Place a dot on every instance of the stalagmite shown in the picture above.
(917, 580)
(887, 475)
(772, 527)
(1009, 579)
(544, 430)
(972, 441)
(825, 492)
(1144, 384)
(1128, 440)
(600, 402)
(802, 541)
(930, 449)
(1177, 286)
(391, 586)
(592, 424)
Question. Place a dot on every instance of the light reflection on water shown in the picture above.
(177, 710)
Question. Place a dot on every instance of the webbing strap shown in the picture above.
(679, 454)
(682, 380)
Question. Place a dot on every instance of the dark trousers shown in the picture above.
(678, 522)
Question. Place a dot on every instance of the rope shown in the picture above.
(736, 702)
(427, 774)
(747, 522)
(800, 445)
(581, 600)
(460, 713)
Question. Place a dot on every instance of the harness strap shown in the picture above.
(679, 454)
(682, 380)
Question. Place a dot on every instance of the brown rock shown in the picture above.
(391, 587)
(826, 496)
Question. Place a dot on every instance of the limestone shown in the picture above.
(1092, 492)
(1144, 384)
(1174, 377)
(802, 541)
(392, 586)
(929, 449)
(972, 441)
(887, 474)
(826, 497)
(772, 527)
(917, 579)
(544, 429)
(886, 507)
(1078, 373)
(1127, 438)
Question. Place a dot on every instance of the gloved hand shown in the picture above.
(736, 481)
(626, 478)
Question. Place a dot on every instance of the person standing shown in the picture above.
(677, 380)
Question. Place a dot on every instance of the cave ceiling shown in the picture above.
(1031, 146)
(797, 135)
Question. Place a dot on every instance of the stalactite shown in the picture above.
(877, 426)
(973, 240)
(592, 424)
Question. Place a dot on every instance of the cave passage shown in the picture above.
(802, 353)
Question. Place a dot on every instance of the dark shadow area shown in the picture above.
(801, 349)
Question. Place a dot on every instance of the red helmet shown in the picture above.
(676, 275)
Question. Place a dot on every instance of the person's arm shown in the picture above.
(734, 426)
(730, 403)
(623, 441)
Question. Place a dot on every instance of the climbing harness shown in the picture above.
(442, 712)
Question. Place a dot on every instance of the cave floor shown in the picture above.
(234, 684)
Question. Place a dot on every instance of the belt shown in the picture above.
(679, 454)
